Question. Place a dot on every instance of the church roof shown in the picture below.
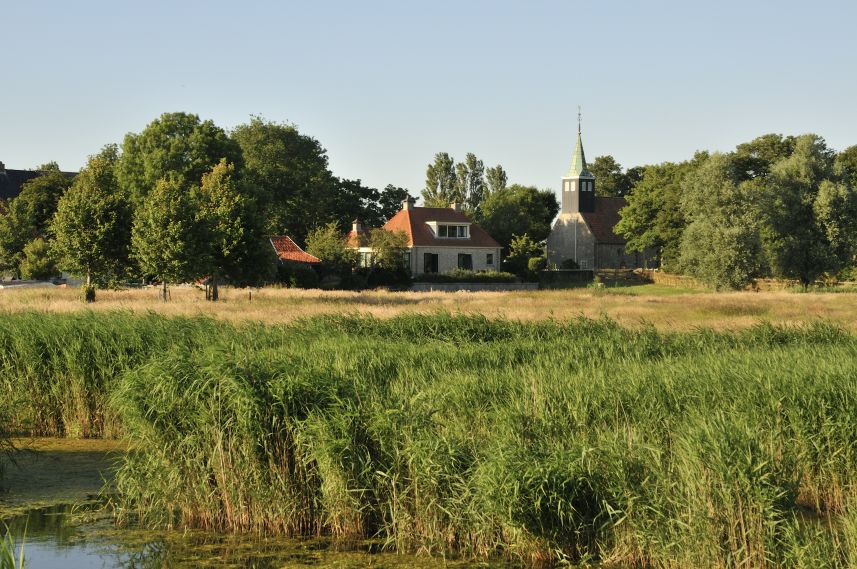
(605, 217)
(578, 161)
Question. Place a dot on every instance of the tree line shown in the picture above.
(180, 200)
(777, 206)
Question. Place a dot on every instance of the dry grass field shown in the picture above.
(664, 307)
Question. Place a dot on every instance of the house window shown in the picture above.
(407, 260)
(430, 263)
(489, 259)
(365, 259)
(452, 231)
(465, 261)
(584, 264)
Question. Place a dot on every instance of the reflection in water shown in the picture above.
(63, 537)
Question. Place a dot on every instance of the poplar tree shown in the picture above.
(440, 181)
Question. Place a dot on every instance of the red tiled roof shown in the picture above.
(288, 250)
(605, 217)
(413, 222)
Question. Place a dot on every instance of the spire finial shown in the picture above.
(578, 119)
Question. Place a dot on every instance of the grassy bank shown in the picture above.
(539, 441)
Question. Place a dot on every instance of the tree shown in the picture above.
(233, 236)
(91, 227)
(328, 244)
(803, 234)
(522, 249)
(754, 159)
(653, 218)
(353, 200)
(845, 165)
(175, 144)
(496, 179)
(289, 171)
(16, 230)
(40, 196)
(519, 210)
(388, 249)
(440, 181)
(470, 182)
(390, 201)
(28, 215)
(388, 258)
(611, 181)
(38, 262)
(166, 239)
(721, 244)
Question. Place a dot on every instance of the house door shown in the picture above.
(430, 263)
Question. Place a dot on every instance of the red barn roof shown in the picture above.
(413, 222)
(288, 250)
(605, 217)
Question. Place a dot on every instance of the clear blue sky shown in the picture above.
(385, 85)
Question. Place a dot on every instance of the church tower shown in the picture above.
(578, 185)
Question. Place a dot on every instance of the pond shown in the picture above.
(64, 536)
(51, 503)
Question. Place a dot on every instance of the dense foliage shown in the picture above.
(550, 440)
(778, 206)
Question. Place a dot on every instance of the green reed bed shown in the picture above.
(538, 441)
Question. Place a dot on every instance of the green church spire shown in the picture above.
(578, 160)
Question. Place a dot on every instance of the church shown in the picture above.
(583, 232)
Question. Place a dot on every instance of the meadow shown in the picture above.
(665, 307)
(573, 439)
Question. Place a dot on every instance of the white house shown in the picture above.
(439, 240)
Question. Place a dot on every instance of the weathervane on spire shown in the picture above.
(578, 119)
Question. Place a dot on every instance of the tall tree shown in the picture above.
(27, 216)
(721, 244)
(233, 240)
(175, 144)
(653, 218)
(470, 182)
(92, 225)
(754, 159)
(610, 179)
(845, 165)
(40, 196)
(519, 210)
(166, 239)
(440, 181)
(390, 201)
(803, 231)
(496, 179)
(290, 172)
(16, 230)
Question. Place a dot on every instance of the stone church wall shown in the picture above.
(571, 233)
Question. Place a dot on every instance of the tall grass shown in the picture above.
(539, 441)
(11, 555)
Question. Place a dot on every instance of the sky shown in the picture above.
(384, 85)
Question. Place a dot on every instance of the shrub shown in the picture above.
(297, 275)
(466, 276)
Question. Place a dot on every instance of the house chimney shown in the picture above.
(408, 204)
(2, 167)
(356, 226)
(456, 206)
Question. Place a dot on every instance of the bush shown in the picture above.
(399, 277)
(569, 265)
(39, 262)
(465, 276)
(297, 275)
